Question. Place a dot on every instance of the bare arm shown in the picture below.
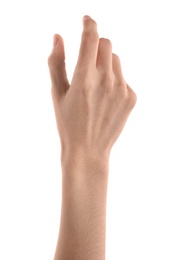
(90, 115)
(83, 213)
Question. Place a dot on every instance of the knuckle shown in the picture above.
(107, 80)
(86, 89)
(122, 83)
(122, 94)
(83, 75)
(126, 95)
(132, 98)
(51, 60)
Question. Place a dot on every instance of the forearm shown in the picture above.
(83, 212)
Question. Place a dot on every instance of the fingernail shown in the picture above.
(55, 40)
(86, 17)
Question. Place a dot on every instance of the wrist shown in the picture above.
(85, 165)
(86, 173)
(82, 156)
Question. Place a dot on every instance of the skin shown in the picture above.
(91, 113)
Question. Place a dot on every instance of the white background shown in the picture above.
(143, 193)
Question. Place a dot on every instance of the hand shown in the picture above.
(92, 111)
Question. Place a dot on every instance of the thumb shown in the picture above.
(57, 68)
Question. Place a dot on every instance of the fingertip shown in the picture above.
(55, 40)
(89, 22)
(86, 17)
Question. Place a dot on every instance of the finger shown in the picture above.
(89, 43)
(117, 70)
(104, 57)
(57, 68)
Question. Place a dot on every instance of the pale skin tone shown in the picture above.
(91, 113)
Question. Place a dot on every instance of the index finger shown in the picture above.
(89, 43)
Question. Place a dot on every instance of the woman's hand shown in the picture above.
(92, 111)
